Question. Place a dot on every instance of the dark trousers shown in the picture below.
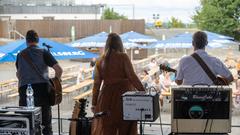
(47, 120)
(40, 100)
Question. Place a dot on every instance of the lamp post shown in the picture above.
(102, 6)
(156, 17)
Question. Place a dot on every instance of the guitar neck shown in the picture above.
(167, 69)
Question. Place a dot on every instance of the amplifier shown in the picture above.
(14, 125)
(20, 120)
(201, 109)
(139, 105)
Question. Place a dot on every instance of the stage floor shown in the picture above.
(68, 104)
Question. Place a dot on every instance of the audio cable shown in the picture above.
(160, 120)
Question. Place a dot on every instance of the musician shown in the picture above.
(115, 72)
(42, 59)
(190, 72)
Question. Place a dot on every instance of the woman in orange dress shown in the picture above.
(114, 75)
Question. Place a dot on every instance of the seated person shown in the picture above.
(152, 64)
(80, 76)
(156, 83)
(165, 84)
(237, 92)
(165, 81)
(146, 79)
(238, 67)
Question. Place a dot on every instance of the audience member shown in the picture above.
(146, 79)
(156, 83)
(80, 76)
(165, 84)
(152, 64)
(93, 62)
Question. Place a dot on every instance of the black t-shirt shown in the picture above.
(49, 59)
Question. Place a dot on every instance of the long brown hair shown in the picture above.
(114, 43)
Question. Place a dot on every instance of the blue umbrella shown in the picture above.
(137, 37)
(214, 37)
(60, 51)
(2, 55)
(183, 41)
(215, 40)
(218, 36)
(97, 40)
(175, 42)
(127, 44)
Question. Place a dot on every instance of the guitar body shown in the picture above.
(81, 125)
(221, 81)
(55, 91)
(75, 114)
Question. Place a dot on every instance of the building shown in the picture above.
(48, 9)
(37, 2)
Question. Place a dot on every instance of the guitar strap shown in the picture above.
(29, 61)
(204, 67)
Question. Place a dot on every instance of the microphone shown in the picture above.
(100, 114)
(46, 45)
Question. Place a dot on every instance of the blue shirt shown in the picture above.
(41, 58)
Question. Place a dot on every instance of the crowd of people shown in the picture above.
(161, 80)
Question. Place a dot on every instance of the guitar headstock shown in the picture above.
(166, 68)
(82, 106)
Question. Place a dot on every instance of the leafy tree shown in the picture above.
(175, 23)
(110, 14)
(220, 16)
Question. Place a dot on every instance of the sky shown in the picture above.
(144, 9)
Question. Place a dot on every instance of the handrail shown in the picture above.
(18, 33)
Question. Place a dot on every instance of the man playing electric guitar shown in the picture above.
(201, 68)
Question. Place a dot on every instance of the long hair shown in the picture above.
(114, 43)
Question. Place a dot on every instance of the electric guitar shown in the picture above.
(80, 124)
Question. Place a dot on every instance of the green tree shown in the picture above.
(110, 14)
(175, 23)
(220, 16)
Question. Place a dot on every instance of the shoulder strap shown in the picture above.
(27, 58)
(204, 66)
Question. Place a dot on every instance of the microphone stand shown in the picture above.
(141, 124)
(58, 106)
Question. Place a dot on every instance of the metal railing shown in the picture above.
(15, 32)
